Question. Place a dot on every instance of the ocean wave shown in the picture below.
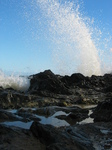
(17, 82)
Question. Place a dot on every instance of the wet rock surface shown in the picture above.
(97, 136)
(8, 116)
(51, 113)
(12, 138)
(67, 138)
(99, 133)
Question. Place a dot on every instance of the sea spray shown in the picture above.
(16, 82)
(75, 50)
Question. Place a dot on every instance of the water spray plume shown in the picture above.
(75, 50)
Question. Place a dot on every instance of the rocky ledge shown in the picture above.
(58, 113)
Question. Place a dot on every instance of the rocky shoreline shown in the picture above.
(58, 113)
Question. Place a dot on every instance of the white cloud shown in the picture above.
(111, 49)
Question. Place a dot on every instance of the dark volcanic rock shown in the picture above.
(10, 98)
(50, 110)
(27, 114)
(18, 139)
(108, 89)
(58, 91)
(74, 79)
(77, 86)
(8, 116)
(103, 111)
(61, 139)
(100, 134)
(47, 81)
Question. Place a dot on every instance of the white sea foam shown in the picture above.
(14, 81)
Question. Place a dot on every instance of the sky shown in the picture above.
(25, 43)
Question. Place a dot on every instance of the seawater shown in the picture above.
(16, 82)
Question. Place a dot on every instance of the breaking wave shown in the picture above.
(14, 81)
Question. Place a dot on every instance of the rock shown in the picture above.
(100, 134)
(50, 85)
(43, 133)
(74, 115)
(74, 79)
(58, 90)
(73, 112)
(27, 114)
(108, 89)
(61, 139)
(103, 111)
(13, 99)
(62, 104)
(107, 146)
(8, 116)
(47, 81)
(18, 139)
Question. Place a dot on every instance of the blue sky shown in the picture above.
(25, 43)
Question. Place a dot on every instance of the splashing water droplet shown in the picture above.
(74, 50)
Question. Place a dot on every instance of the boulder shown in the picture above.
(103, 111)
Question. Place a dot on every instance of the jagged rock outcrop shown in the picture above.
(47, 82)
